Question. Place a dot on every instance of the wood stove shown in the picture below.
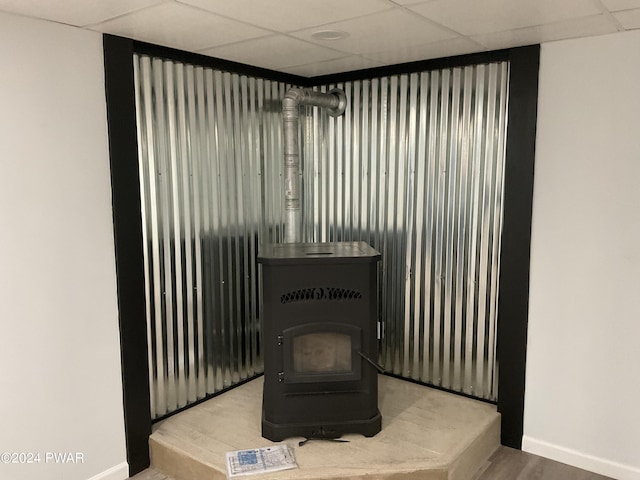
(320, 342)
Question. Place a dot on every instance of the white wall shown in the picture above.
(582, 401)
(60, 389)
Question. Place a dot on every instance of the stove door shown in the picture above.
(322, 352)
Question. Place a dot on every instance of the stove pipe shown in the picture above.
(335, 102)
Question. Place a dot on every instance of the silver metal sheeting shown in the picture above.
(207, 197)
(414, 168)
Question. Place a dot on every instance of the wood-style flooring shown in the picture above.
(505, 464)
(509, 464)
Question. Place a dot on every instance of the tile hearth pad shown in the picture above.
(426, 434)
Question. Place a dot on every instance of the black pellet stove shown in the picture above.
(320, 312)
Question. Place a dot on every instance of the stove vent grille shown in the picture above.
(320, 293)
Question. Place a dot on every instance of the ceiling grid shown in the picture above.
(321, 37)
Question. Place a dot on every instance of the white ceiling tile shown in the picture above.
(379, 31)
(616, 5)
(630, 19)
(345, 64)
(75, 12)
(290, 15)
(446, 48)
(180, 26)
(582, 27)
(275, 52)
(487, 16)
(391, 30)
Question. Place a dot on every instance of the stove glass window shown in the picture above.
(322, 352)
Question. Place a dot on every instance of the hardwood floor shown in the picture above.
(505, 464)
(509, 464)
(150, 474)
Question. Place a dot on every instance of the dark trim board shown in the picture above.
(377, 72)
(412, 67)
(513, 302)
(127, 223)
(152, 50)
(516, 238)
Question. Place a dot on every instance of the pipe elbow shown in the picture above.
(334, 101)
(294, 93)
(293, 97)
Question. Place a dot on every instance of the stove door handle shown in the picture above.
(375, 364)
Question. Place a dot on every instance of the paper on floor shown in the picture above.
(260, 460)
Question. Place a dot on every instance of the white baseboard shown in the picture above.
(574, 458)
(119, 472)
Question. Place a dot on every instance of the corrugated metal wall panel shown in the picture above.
(208, 140)
(414, 167)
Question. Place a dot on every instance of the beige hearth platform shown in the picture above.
(426, 434)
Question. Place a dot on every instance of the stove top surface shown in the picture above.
(339, 252)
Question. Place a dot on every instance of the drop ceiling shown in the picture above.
(279, 34)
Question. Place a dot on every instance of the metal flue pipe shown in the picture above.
(335, 102)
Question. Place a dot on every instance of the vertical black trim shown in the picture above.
(513, 304)
(127, 222)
